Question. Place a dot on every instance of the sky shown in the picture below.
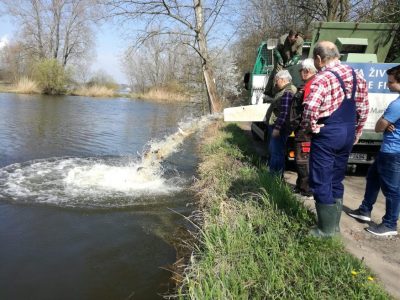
(109, 47)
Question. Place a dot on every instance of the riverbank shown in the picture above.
(162, 95)
(252, 241)
(99, 91)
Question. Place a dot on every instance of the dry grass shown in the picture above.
(163, 95)
(94, 91)
(26, 86)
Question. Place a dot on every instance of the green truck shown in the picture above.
(363, 46)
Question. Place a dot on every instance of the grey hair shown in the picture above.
(326, 52)
(308, 64)
(283, 74)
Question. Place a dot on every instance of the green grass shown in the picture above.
(253, 241)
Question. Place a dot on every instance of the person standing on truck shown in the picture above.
(277, 116)
(301, 139)
(384, 173)
(287, 53)
(335, 111)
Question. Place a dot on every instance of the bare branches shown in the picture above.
(59, 29)
(142, 9)
(183, 19)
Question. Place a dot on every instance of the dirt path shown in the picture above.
(380, 254)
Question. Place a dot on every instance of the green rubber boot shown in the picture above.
(339, 207)
(327, 220)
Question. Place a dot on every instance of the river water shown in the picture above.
(91, 192)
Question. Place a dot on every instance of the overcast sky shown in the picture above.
(109, 47)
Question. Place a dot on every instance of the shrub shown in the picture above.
(101, 78)
(51, 76)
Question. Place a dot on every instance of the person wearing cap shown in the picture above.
(287, 53)
(335, 112)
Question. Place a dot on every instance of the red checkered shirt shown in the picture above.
(326, 95)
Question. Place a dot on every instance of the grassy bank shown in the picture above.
(253, 241)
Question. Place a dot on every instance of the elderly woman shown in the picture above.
(302, 140)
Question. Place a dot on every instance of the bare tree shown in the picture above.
(59, 29)
(159, 62)
(382, 11)
(190, 22)
(14, 62)
(332, 10)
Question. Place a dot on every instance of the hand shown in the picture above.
(267, 99)
(289, 63)
(390, 128)
(276, 133)
(319, 126)
(356, 140)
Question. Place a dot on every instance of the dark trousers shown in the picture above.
(330, 150)
(277, 151)
(384, 174)
(301, 159)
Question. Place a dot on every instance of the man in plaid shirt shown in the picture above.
(335, 112)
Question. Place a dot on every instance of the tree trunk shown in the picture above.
(39, 29)
(213, 99)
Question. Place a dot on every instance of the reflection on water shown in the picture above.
(106, 175)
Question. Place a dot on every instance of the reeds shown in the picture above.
(94, 91)
(26, 86)
(162, 95)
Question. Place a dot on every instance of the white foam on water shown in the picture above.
(122, 179)
(99, 182)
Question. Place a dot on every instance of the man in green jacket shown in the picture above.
(287, 53)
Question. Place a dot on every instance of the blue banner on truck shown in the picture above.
(374, 74)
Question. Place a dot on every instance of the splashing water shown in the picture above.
(99, 181)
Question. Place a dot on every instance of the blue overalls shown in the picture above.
(331, 147)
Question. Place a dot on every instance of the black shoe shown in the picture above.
(381, 230)
(360, 215)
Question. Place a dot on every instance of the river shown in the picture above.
(91, 192)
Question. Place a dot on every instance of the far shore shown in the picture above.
(97, 91)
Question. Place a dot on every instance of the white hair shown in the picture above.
(283, 74)
(308, 64)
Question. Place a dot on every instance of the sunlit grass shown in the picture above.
(94, 91)
(26, 86)
(253, 241)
